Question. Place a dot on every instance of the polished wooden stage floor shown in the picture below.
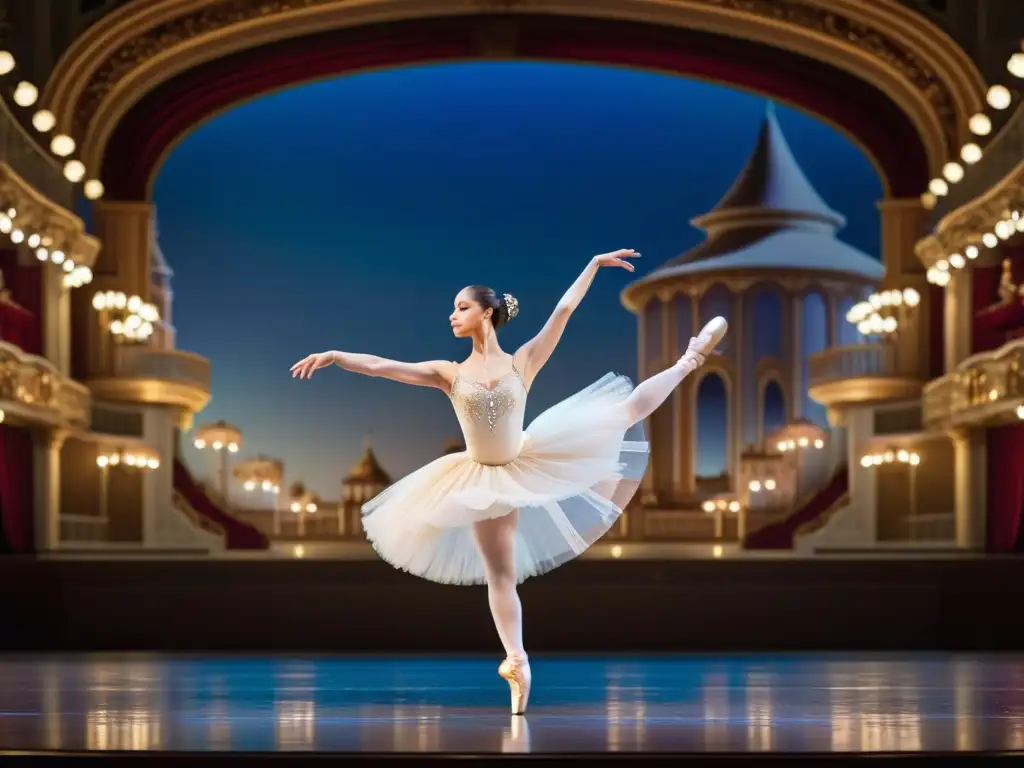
(249, 708)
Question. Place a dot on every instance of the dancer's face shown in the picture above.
(468, 316)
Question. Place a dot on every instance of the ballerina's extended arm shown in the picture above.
(430, 373)
(536, 352)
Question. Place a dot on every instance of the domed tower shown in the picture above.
(161, 294)
(366, 479)
(772, 265)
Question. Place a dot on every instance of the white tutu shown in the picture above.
(579, 465)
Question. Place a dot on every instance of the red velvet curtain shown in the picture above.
(16, 501)
(1005, 486)
(21, 322)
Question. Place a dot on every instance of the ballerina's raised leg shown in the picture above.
(651, 393)
(495, 538)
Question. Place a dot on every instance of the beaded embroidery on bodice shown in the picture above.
(491, 417)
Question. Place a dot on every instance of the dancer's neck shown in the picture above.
(486, 345)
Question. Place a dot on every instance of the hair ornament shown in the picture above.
(511, 305)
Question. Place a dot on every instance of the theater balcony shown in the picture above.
(863, 374)
(166, 377)
(986, 389)
(34, 394)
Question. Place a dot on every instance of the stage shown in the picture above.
(249, 708)
(612, 607)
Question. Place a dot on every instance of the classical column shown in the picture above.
(47, 444)
(797, 387)
(123, 266)
(56, 320)
(957, 320)
(739, 387)
(903, 223)
(969, 459)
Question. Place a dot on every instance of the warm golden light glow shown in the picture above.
(93, 189)
(998, 97)
(938, 187)
(128, 318)
(136, 458)
(888, 457)
(1015, 65)
(980, 124)
(44, 120)
(953, 172)
(970, 153)
(62, 145)
(7, 62)
(74, 171)
(25, 94)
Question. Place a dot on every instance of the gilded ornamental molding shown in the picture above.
(967, 224)
(134, 48)
(985, 389)
(32, 391)
(60, 229)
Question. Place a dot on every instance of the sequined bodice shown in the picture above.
(491, 417)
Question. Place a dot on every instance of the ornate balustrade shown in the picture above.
(985, 389)
(143, 374)
(864, 373)
(32, 392)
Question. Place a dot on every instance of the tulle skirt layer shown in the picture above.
(580, 464)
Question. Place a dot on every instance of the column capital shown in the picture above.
(50, 437)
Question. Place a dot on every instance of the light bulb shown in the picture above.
(938, 187)
(74, 171)
(7, 62)
(990, 240)
(911, 297)
(62, 145)
(953, 172)
(1004, 229)
(42, 254)
(17, 236)
(25, 94)
(942, 265)
(980, 124)
(6, 225)
(57, 257)
(44, 120)
(1015, 65)
(971, 251)
(998, 97)
(970, 153)
(68, 266)
(33, 240)
(93, 189)
(957, 261)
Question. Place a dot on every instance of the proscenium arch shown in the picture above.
(917, 86)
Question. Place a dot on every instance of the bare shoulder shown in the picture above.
(445, 370)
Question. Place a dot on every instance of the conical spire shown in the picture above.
(368, 469)
(771, 183)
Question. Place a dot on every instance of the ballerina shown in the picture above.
(517, 502)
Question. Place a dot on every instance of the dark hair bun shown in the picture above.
(504, 307)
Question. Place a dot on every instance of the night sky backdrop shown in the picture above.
(347, 214)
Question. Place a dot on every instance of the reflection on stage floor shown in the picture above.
(679, 705)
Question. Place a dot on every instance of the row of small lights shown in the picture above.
(266, 485)
(297, 507)
(999, 98)
(785, 446)
(720, 506)
(867, 315)
(217, 445)
(888, 457)
(128, 459)
(1005, 229)
(139, 316)
(755, 486)
(74, 276)
(26, 94)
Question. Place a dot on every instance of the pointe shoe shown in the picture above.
(516, 670)
(704, 343)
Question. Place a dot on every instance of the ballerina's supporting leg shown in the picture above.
(495, 539)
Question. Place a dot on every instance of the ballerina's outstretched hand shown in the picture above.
(306, 366)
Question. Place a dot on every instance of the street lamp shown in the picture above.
(303, 503)
(263, 475)
(223, 438)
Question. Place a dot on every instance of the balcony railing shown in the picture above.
(33, 391)
(841, 363)
(986, 388)
(860, 374)
(170, 365)
(31, 162)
